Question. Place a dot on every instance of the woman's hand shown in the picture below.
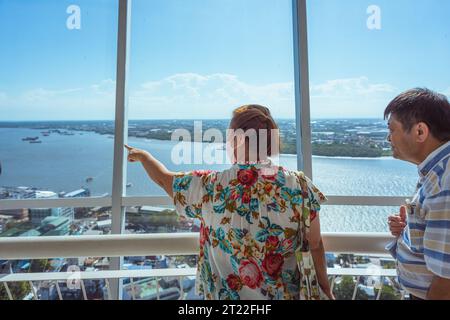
(155, 169)
(135, 154)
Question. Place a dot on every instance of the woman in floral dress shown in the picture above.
(260, 230)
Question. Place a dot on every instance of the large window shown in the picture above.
(57, 102)
(190, 63)
(199, 62)
(362, 54)
(58, 63)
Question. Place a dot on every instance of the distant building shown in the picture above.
(17, 193)
(28, 233)
(47, 291)
(93, 233)
(55, 226)
(98, 210)
(4, 219)
(50, 226)
(104, 224)
(132, 210)
(38, 215)
(152, 210)
(146, 289)
(80, 193)
(17, 214)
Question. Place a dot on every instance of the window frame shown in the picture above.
(118, 200)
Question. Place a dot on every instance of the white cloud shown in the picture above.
(350, 87)
(92, 102)
(105, 87)
(44, 95)
(191, 95)
(350, 97)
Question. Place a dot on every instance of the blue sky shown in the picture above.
(202, 58)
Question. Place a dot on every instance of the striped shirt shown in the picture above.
(423, 249)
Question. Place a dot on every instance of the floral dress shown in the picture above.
(253, 222)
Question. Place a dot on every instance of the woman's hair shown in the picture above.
(258, 118)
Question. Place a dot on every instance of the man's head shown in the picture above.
(419, 122)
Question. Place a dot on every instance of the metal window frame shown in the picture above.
(119, 201)
(120, 136)
(301, 87)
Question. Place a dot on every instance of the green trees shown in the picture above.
(38, 265)
(345, 288)
(346, 150)
(389, 293)
(20, 289)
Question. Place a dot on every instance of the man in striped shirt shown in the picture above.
(419, 132)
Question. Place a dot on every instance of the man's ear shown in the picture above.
(422, 132)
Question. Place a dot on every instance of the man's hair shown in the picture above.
(422, 105)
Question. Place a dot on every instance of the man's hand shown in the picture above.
(397, 222)
(439, 289)
(135, 154)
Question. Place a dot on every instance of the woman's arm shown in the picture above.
(155, 169)
(318, 255)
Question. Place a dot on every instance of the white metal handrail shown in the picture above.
(169, 272)
(80, 277)
(10, 204)
(159, 244)
(179, 273)
(102, 274)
